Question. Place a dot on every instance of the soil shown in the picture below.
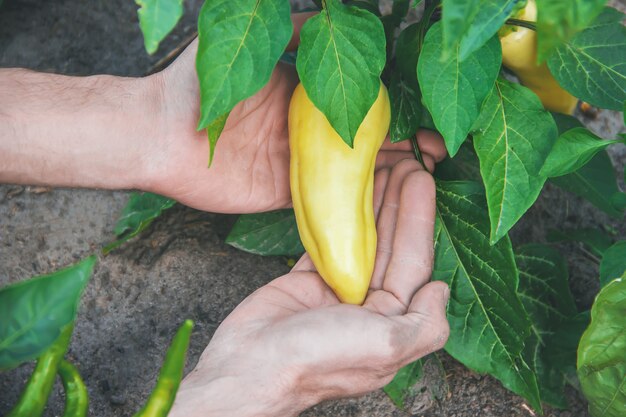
(181, 268)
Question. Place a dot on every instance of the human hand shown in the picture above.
(292, 344)
(250, 169)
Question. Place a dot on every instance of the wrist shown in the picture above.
(254, 390)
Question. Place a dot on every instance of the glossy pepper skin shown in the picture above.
(519, 54)
(35, 395)
(332, 192)
(162, 397)
(76, 396)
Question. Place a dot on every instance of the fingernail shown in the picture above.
(446, 295)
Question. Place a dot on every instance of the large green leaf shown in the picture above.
(454, 91)
(463, 167)
(512, 138)
(402, 384)
(561, 346)
(486, 23)
(407, 52)
(456, 18)
(157, 18)
(613, 263)
(592, 66)
(271, 233)
(240, 42)
(33, 312)
(545, 294)
(404, 94)
(488, 324)
(595, 182)
(602, 353)
(406, 109)
(596, 240)
(572, 150)
(565, 122)
(340, 59)
(559, 20)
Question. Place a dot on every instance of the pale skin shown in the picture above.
(290, 344)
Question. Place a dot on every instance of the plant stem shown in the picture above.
(523, 23)
(416, 150)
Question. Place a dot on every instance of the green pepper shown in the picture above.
(76, 396)
(36, 392)
(162, 397)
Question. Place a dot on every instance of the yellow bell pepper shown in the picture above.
(519, 54)
(332, 192)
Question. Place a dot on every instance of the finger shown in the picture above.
(304, 264)
(425, 327)
(298, 20)
(411, 260)
(380, 184)
(429, 161)
(431, 143)
(383, 302)
(404, 145)
(387, 217)
(388, 159)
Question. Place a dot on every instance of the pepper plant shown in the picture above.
(511, 312)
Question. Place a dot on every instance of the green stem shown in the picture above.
(523, 23)
(37, 390)
(162, 397)
(416, 150)
(76, 396)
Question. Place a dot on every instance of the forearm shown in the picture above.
(75, 131)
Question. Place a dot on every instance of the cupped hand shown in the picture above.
(292, 344)
(250, 170)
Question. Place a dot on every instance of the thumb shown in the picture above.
(426, 317)
(298, 20)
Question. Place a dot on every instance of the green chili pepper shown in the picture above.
(76, 397)
(36, 392)
(162, 397)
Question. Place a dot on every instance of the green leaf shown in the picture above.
(407, 53)
(560, 350)
(400, 8)
(596, 240)
(340, 59)
(34, 311)
(601, 353)
(512, 139)
(489, 19)
(404, 388)
(240, 42)
(457, 17)
(157, 18)
(565, 122)
(545, 294)
(139, 212)
(594, 182)
(271, 233)
(592, 66)
(454, 91)
(404, 94)
(464, 166)
(214, 130)
(559, 20)
(406, 109)
(369, 5)
(137, 215)
(572, 150)
(488, 324)
(402, 384)
(613, 264)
